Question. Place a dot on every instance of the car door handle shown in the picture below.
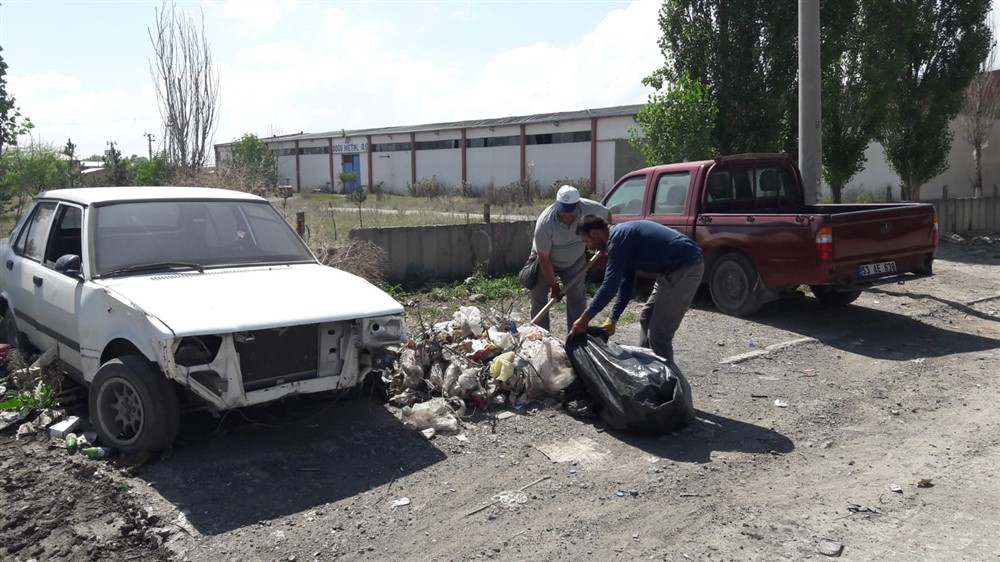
(10, 265)
(36, 280)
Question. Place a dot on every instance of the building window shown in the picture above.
(391, 147)
(315, 150)
(438, 144)
(488, 142)
(284, 152)
(559, 138)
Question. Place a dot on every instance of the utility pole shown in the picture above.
(810, 116)
(149, 137)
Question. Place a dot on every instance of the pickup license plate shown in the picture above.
(881, 268)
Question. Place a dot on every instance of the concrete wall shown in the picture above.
(419, 253)
(967, 215)
(877, 174)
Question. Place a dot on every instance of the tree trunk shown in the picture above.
(977, 187)
(837, 190)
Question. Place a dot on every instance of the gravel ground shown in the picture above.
(865, 432)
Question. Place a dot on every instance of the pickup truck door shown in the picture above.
(670, 201)
(45, 300)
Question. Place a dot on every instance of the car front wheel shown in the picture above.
(133, 406)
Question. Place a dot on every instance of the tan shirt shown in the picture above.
(560, 240)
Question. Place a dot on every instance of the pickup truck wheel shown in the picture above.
(832, 297)
(133, 406)
(734, 285)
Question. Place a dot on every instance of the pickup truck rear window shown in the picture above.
(746, 188)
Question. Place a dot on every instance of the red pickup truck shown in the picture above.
(748, 214)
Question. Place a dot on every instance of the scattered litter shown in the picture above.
(918, 360)
(508, 496)
(620, 494)
(25, 429)
(462, 437)
(62, 428)
(752, 345)
(401, 502)
(12, 417)
(896, 488)
(437, 414)
(505, 415)
(758, 396)
(572, 471)
(428, 433)
(830, 548)
(781, 403)
(856, 508)
(925, 483)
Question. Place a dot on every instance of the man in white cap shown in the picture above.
(560, 252)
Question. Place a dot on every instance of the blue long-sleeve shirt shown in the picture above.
(640, 246)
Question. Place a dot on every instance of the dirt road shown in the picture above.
(867, 432)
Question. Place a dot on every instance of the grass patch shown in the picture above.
(628, 317)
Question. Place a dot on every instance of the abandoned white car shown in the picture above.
(142, 290)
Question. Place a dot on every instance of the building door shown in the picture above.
(352, 163)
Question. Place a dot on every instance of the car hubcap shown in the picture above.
(734, 285)
(122, 411)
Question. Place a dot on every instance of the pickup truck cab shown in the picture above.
(748, 214)
(144, 292)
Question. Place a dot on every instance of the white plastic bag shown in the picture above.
(435, 414)
(550, 370)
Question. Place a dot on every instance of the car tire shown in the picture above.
(735, 286)
(133, 406)
(830, 296)
(14, 337)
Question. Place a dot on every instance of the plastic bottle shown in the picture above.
(71, 442)
(97, 452)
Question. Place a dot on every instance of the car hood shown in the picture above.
(252, 298)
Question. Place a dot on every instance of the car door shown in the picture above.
(45, 301)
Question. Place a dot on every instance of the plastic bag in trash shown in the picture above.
(502, 367)
(549, 369)
(436, 414)
(470, 320)
(413, 373)
(502, 339)
(633, 389)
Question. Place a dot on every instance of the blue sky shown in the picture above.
(80, 68)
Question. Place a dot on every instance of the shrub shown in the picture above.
(430, 188)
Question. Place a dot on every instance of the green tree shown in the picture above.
(12, 125)
(73, 164)
(676, 124)
(861, 55)
(252, 164)
(744, 53)
(29, 170)
(150, 172)
(116, 166)
(945, 41)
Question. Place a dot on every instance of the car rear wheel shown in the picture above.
(735, 286)
(133, 406)
(12, 334)
(830, 296)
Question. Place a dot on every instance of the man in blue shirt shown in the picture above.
(643, 245)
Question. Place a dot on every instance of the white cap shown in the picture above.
(567, 198)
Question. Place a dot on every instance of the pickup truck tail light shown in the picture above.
(935, 230)
(824, 243)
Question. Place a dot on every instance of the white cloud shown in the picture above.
(604, 69)
(334, 19)
(257, 15)
(61, 109)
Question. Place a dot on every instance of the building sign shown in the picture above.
(350, 147)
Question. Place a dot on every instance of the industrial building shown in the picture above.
(543, 149)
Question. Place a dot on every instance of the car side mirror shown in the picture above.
(68, 264)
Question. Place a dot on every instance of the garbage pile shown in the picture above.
(474, 361)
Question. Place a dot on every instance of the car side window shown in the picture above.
(626, 199)
(65, 234)
(31, 240)
(671, 193)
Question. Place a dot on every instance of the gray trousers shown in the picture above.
(575, 296)
(666, 307)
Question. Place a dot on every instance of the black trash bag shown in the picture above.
(633, 389)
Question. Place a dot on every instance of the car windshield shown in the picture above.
(200, 233)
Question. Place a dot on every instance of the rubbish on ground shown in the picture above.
(781, 403)
(896, 488)
(924, 483)
(620, 494)
(503, 496)
(98, 452)
(61, 429)
(462, 437)
(25, 429)
(855, 508)
(505, 415)
(633, 390)
(428, 433)
(437, 414)
(478, 360)
(401, 502)
(70, 442)
(830, 548)
(11, 417)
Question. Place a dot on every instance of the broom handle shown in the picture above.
(576, 278)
